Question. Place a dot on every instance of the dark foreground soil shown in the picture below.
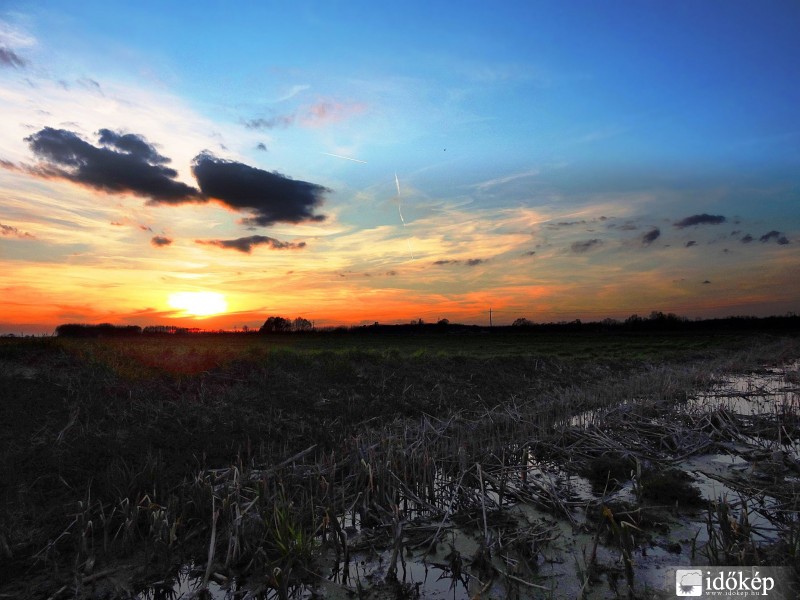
(120, 461)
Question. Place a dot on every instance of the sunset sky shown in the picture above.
(211, 164)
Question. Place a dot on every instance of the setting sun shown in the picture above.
(198, 304)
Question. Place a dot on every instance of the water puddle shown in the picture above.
(534, 528)
(767, 392)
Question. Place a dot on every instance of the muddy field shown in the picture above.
(490, 468)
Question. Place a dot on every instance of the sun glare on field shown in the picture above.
(198, 304)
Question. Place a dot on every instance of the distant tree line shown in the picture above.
(76, 330)
(659, 321)
(656, 321)
(282, 325)
(169, 330)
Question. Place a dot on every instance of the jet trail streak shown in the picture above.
(399, 205)
(345, 157)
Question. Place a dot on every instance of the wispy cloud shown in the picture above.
(10, 230)
(277, 122)
(499, 181)
(11, 39)
(15, 37)
(327, 112)
(9, 58)
(319, 114)
(246, 244)
(292, 92)
(585, 246)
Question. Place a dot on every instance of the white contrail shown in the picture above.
(345, 157)
(399, 205)
(399, 199)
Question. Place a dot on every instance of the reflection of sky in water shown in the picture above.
(764, 393)
(754, 394)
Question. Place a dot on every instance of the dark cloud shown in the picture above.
(651, 236)
(9, 58)
(270, 196)
(703, 219)
(261, 146)
(530, 253)
(132, 144)
(774, 235)
(706, 282)
(246, 244)
(10, 230)
(747, 239)
(769, 236)
(130, 164)
(580, 247)
(158, 241)
(274, 122)
(470, 262)
(691, 243)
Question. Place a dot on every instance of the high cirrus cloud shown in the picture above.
(703, 219)
(246, 244)
(269, 196)
(122, 163)
(320, 114)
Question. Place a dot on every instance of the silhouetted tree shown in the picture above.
(301, 324)
(276, 325)
(522, 322)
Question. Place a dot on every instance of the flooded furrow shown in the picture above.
(607, 503)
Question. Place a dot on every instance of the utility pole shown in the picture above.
(490, 316)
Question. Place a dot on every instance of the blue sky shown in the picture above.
(537, 147)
